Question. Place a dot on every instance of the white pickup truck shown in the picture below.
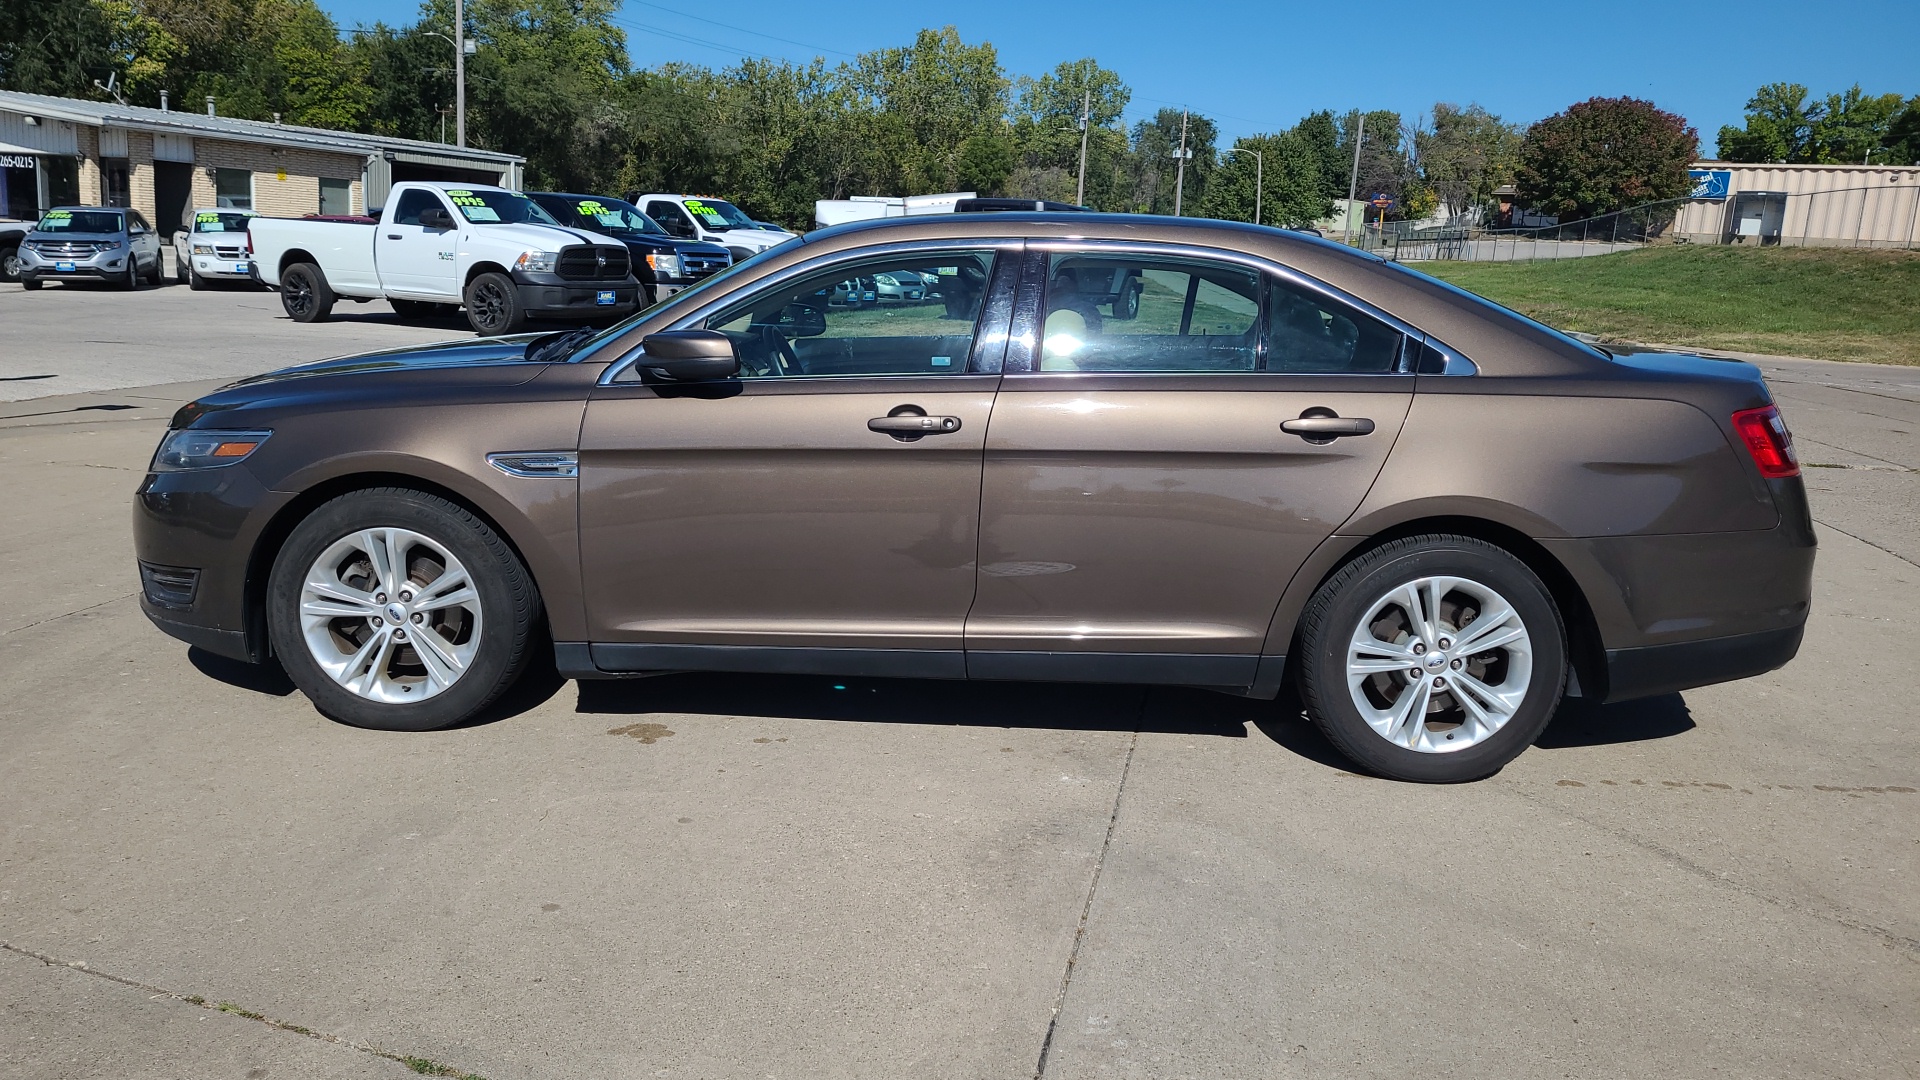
(490, 250)
(716, 221)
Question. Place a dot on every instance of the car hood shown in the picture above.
(65, 235)
(460, 353)
(757, 239)
(544, 237)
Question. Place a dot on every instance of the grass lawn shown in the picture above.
(1835, 304)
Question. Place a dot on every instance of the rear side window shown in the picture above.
(1310, 334)
(1131, 313)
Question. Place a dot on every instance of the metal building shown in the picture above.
(1802, 205)
(163, 162)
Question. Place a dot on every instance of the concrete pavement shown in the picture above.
(716, 876)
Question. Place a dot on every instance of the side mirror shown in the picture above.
(689, 356)
(435, 217)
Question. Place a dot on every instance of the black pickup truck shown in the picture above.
(664, 264)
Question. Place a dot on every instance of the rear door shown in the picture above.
(1143, 507)
(821, 512)
(416, 261)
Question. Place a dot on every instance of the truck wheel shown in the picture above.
(493, 305)
(10, 264)
(304, 293)
(1127, 304)
(193, 279)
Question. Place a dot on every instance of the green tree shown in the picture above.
(1605, 154)
(1153, 167)
(1287, 179)
(1851, 125)
(1384, 167)
(1903, 135)
(54, 47)
(1779, 126)
(1465, 156)
(1322, 135)
(931, 97)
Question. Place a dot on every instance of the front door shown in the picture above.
(821, 511)
(414, 260)
(1144, 503)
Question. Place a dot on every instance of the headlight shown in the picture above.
(114, 245)
(665, 264)
(204, 448)
(885, 279)
(535, 261)
(203, 249)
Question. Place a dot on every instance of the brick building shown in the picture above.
(164, 163)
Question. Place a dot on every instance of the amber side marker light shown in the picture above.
(1767, 439)
(234, 449)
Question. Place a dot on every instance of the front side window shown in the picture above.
(233, 189)
(1133, 313)
(414, 202)
(837, 321)
(670, 217)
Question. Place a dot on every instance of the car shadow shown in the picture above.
(268, 678)
(1582, 723)
(1061, 706)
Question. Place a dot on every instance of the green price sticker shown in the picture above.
(58, 215)
(461, 192)
(593, 209)
(207, 219)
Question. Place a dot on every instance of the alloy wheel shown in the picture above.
(391, 615)
(1439, 664)
(296, 293)
(489, 306)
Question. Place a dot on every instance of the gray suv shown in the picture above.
(91, 243)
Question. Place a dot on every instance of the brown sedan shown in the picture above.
(1097, 449)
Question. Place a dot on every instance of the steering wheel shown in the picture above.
(781, 358)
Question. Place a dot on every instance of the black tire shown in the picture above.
(493, 305)
(157, 277)
(1127, 304)
(10, 263)
(304, 293)
(509, 606)
(194, 280)
(30, 284)
(1333, 617)
(131, 280)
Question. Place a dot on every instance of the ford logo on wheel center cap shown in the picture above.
(1436, 661)
(396, 613)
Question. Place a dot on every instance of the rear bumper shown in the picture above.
(1663, 669)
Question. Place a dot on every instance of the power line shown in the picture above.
(740, 29)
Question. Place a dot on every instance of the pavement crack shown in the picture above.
(1906, 946)
(70, 614)
(419, 1065)
(1868, 542)
(1086, 910)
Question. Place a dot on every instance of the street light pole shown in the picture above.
(1180, 180)
(460, 72)
(1353, 180)
(1086, 115)
(1259, 176)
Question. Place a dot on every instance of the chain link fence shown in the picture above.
(1864, 217)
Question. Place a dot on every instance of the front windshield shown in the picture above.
(491, 206)
(717, 284)
(212, 221)
(80, 221)
(719, 214)
(617, 218)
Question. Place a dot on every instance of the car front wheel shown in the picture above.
(10, 264)
(399, 610)
(493, 305)
(1434, 658)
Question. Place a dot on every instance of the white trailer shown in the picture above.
(874, 207)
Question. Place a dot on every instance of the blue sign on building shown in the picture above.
(1710, 183)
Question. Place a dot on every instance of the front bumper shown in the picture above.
(209, 521)
(100, 267)
(548, 296)
(212, 266)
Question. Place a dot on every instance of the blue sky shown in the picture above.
(1260, 66)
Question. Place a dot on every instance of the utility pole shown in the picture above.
(1353, 179)
(1180, 181)
(1086, 116)
(460, 72)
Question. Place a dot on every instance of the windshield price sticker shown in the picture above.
(58, 215)
(479, 211)
(702, 210)
(466, 200)
(593, 209)
(207, 219)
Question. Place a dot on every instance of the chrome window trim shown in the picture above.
(1259, 264)
(999, 245)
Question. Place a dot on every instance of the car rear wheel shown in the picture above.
(157, 276)
(399, 610)
(1435, 658)
(304, 293)
(493, 305)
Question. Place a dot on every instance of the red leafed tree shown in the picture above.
(1605, 154)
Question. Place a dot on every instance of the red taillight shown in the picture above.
(1767, 439)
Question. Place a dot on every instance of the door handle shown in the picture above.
(914, 424)
(393, 236)
(1321, 426)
